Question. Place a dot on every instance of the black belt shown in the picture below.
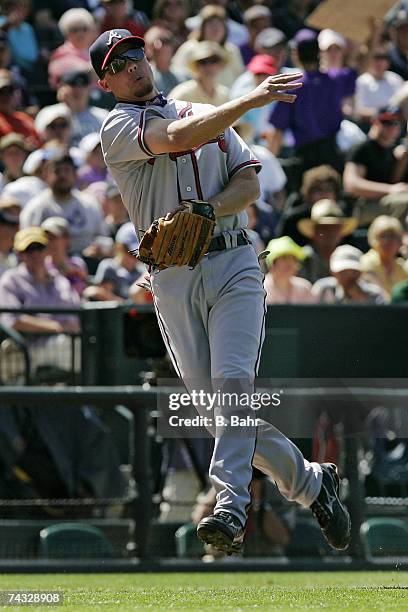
(218, 242)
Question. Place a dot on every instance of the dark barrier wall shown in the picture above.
(301, 341)
(336, 342)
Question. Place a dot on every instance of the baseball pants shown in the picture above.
(212, 320)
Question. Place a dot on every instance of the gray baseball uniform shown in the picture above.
(212, 317)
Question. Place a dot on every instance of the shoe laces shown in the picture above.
(320, 513)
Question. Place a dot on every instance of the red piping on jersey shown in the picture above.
(220, 140)
(196, 175)
(251, 162)
(184, 110)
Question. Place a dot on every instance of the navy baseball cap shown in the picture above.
(103, 47)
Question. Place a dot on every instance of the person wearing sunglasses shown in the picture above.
(31, 285)
(376, 172)
(159, 153)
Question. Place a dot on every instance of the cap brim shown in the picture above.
(306, 226)
(340, 266)
(138, 39)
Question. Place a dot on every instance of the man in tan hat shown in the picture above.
(13, 153)
(206, 62)
(325, 229)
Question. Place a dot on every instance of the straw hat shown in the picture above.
(204, 50)
(326, 212)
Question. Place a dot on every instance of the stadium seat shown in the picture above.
(384, 537)
(74, 541)
(188, 546)
(307, 540)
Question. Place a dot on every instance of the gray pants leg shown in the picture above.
(212, 321)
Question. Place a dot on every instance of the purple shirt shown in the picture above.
(247, 53)
(317, 113)
(19, 289)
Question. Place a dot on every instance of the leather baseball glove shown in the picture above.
(182, 240)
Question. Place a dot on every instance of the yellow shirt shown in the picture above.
(191, 91)
(371, 263)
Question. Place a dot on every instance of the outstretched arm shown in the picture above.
(172, 136)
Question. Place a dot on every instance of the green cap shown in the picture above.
(284, 246)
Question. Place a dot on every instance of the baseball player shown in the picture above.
(161, 152)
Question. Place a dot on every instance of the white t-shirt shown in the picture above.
(376, 93)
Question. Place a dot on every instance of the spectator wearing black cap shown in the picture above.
(74, 90)
(11, 119)
(399, 47)
(376, 169)
(256, 19)
(9, 221)
(13, 153)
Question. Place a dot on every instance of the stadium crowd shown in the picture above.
(333, 210)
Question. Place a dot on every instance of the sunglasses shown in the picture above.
(209, 60)
(119, 62)
(79, 29)
(391, 122)
(59, 125)
(35, 247)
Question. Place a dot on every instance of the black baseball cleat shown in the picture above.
(332, 516)
(223, 531)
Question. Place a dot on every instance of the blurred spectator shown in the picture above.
(270, 42)
(325, 229)
(332, 46)
(12, 120)
(399, 45)
(54, 123)
(117, 15)
(78, 27)
(345, 285)
(172, 15)
(115, 276)
(373, 169)
(61, 199)
(237, 32)
(289, 15)
(72, 267)
(206, 61)
(24, 98)
(21, 35)
(259, 68)
(115, 213)
(26, 187)
(213, 28)
(9, 220)
(281, 284)
(74, 90)
(314, 129)
(382, 263)
(322, 182)
(375, 87)
(256, 19)
(13, 153)
(30, 285)
(94, 168)
(251, 229)
(159, 48)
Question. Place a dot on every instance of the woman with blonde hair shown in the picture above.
(382, 263)
(78, 28)
(213, 28)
